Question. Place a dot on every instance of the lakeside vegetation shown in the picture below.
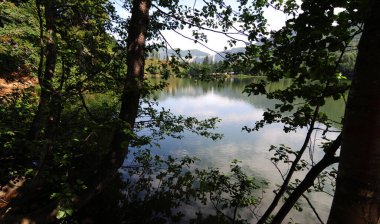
(74, 143)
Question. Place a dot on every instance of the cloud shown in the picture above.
(213, 105)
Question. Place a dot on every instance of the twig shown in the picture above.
(279, 170)
(167, 43)
(312, 208)
(227, 34)
(85, 107)
(199, 42)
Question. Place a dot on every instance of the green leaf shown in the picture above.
(60, 214)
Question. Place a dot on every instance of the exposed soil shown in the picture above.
(9, 191)
(16, 86)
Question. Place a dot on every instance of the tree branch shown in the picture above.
(312, 208)
(328, 159)
(285, 184)
(227, 34)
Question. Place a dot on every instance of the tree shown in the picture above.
(308, 50)
(43, 116)
(206, 61)
(130, 100)
(64, 166)
(78, 58)
(357, 196)
(74, 50)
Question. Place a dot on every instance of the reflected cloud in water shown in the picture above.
(205, 100)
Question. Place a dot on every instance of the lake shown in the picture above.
(204, 100)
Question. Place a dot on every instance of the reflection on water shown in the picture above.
(226, 101)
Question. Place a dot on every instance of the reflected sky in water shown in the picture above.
(226, 101)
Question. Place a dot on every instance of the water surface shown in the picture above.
(235, 109)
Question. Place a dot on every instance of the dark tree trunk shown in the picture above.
(42, 114)
(133, 83)
(130, 100)
(28, 190)
(357, 195)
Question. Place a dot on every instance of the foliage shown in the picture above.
(158, 190)
(18, 40)
(311, 50)
(308, 51)
(82, 99)
(15, 116)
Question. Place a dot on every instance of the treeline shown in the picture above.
(209, 68)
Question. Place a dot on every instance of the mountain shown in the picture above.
(221, 55)
(197, 56)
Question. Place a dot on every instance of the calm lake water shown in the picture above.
(226, 101)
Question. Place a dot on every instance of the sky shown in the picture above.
(216, 42)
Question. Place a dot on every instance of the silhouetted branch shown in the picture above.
(312, 208)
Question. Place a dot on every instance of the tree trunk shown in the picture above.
(133, 83)
(41, 117)
(130, 100)
(357, 195)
